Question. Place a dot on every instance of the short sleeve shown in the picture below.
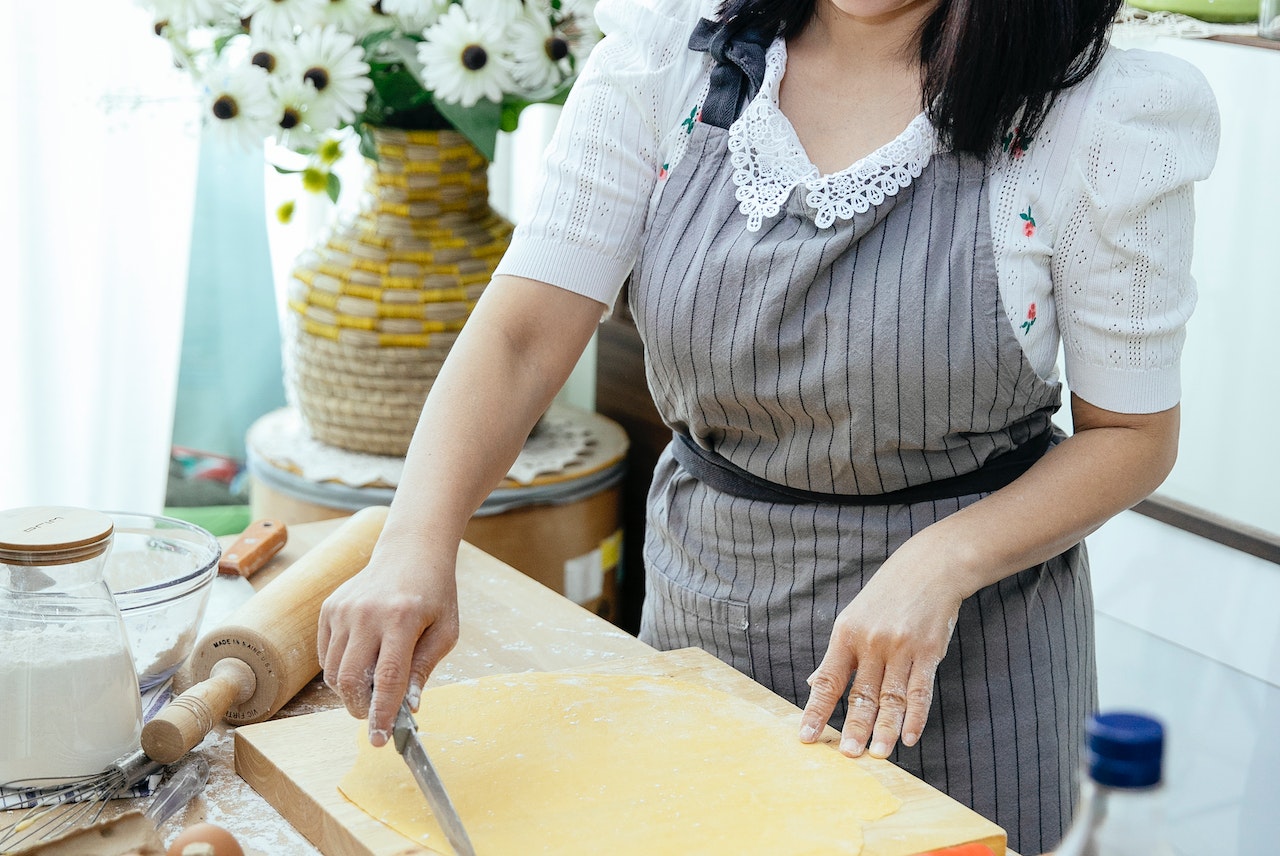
(1121, 265)
(602, 163)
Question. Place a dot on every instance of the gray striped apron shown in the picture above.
(849, 370)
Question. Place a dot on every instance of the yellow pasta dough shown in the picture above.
(609, 764)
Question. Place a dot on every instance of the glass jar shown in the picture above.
(71, 705)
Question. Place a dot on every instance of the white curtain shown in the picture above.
(97, 178)
(98, 168)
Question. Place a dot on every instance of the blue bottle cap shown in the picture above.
(1124, 750)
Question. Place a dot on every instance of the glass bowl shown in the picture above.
(161, 571)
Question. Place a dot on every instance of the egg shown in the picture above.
(204, 839)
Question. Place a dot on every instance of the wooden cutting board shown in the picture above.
(296, 764)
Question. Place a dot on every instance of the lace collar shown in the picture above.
(769, 161)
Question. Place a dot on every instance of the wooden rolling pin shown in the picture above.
(250, 666)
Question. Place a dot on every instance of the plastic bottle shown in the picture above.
(1121, 809)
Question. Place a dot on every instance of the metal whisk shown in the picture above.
(74, 801)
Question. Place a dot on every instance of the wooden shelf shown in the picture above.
(1248, 41)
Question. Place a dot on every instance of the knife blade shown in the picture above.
(405, 735)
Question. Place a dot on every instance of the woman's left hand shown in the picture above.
(890, 639)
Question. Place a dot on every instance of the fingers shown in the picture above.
(919, 700)
(390, 684)
(826, 687)
(892, 712)
(887, 707)
(353, 678)
(864, 701)
(377, 651)
(427, 654)
(323, 637)
(892, 688)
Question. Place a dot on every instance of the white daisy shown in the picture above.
(332, 62)
(272, 18)
(239, 106)
(271, 55)
(302, 116)
(462, 59)
(414, 15)
(539, 55)
(351, 16)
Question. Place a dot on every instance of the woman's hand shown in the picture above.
(896, 631)
(384, 630)
(893, 636)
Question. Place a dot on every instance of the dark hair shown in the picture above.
(992, 68)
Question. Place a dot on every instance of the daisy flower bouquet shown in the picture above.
(303, 72)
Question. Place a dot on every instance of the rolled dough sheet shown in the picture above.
(618, 764)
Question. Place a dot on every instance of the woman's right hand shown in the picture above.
(383, 631)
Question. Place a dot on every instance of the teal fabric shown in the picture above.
(230, 371)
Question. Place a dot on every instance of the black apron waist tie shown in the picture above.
(718, 472)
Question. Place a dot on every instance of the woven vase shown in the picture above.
(375, 307)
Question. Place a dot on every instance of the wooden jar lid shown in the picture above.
(53, 535)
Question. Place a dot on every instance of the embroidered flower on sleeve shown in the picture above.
(1028, 223)
(1015, 144)
(1031, 319)
(662, 171)
(695, 115)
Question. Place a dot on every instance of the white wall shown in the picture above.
(1229, 461)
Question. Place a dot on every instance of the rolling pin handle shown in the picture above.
(186, 720)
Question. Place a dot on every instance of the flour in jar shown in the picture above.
(70, 699)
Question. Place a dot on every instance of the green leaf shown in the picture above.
(374, 40)
(403, 49)
(368, 147)
(333, 187)
(285, 170)
(479, 123)
(221, 42)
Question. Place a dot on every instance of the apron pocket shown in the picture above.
(676, 616)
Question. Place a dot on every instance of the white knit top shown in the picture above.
(1091, 220)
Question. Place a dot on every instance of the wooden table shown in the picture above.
(509, 622)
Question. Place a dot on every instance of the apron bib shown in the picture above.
(839, 365)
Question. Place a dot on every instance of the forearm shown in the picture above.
(510, 360)
(1109, 464)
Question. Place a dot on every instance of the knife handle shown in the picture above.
(260, 541)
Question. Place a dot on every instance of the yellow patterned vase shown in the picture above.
(374, 308)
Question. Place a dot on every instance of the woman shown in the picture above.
(856, 232)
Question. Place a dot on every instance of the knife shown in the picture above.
(405, 734)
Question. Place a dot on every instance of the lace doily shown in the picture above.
(561, 439)
(769, 161)
(558, 442)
